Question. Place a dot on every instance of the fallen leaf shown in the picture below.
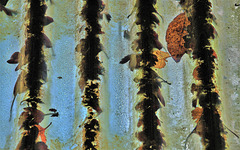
(194, 87)
(8, 12)
(46, 41)
(160, 97)
(19, 87)
(157, 44)
(155, 19)
(23, 117)
(47, 20)
(40, 146)
(56, 114)
(141, 136)
(14, 58)
(161, 56)
(196, 74)
(52, 109)
(38, 115)
(140, 122)
(42, 133)
(197, 113)
(125, 59)
(22, 58)
(134, 61)
(214, 54)
(108, 16)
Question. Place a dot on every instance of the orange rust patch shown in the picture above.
(174, 36)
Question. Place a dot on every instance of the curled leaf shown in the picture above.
(55, 114)
(42, 133)
(47, 20)
(141, 136)
(52, 109)
(160, 97)
(197, 113)
(7, 11)
(214, 54)
(14, 58)
(22, 58)
(134, 61)
(46, 41)
(161, 57)
(23, 117)
(37, 115)
(196, 74)
(125, 59)
(108, 16)
(140, 122)
(157, 44)
(194, 87)
(40, 146)
(155, 19)
(19, 87)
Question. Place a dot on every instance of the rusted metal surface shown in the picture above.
(118, 119)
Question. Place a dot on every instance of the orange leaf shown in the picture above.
(140, 148)
(197, 113)
(42, 133)
(161, 56)
(195, 73)
(214, 54)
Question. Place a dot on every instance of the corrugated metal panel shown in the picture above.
(119, 118)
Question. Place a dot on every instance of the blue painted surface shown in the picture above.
(7, 81)
(62, 90)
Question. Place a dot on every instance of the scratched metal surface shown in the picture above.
(119, 119)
